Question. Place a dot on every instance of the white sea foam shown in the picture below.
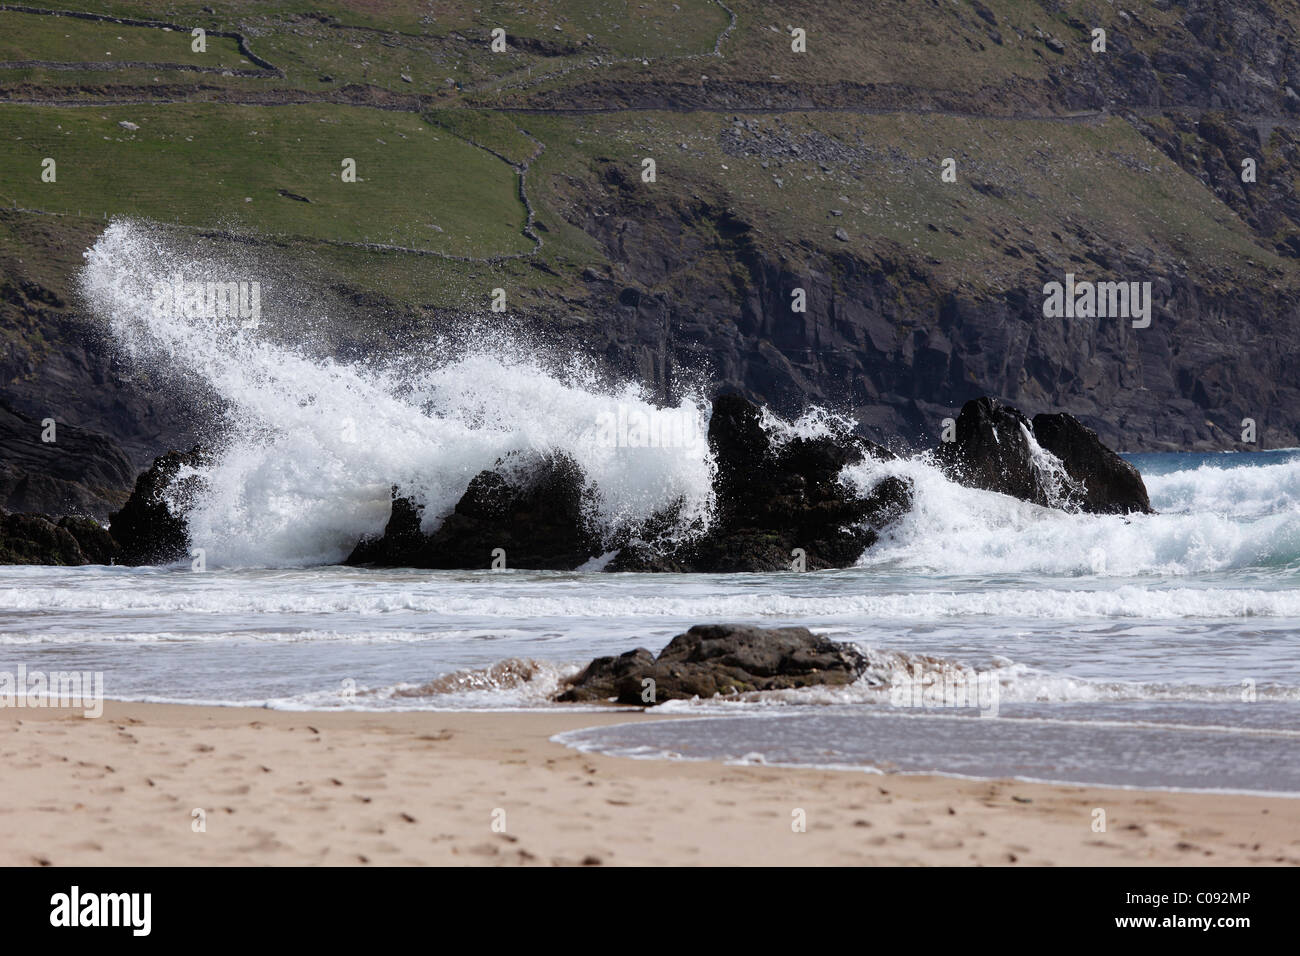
(1221, 489)
(956, 530)
(851, 598)
(1063, 492)
(311, 445)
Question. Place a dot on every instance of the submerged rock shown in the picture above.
(712, 659)
(147, 529)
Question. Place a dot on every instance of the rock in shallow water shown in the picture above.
(712, 659)
(779, 504)
(774, 498)
(97, 545)
(147, 528)
(994, 450)
(771, 499)
(531, 510)
(36, 539)
(145, 531)
(1110, 484)
(40, 539)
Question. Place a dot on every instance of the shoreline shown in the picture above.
(439, 787)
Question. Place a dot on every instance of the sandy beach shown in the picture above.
(278, 787)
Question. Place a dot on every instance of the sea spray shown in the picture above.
(1271, 486)
(1063, 492)
(952, 529)
(307, 447)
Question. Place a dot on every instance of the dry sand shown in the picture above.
(425, 788)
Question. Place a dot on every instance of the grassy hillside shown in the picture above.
(271, 170)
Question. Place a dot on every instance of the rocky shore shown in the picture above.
(149, 529)
(780, 504)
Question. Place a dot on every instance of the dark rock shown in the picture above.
(35, 539)
(80, 472)
(993, 451)
(401, 540)
(600, 679)
(1212, 84)
(1072, 469)
(712, 659)
(151, 527)
(984, 13)
(533, 509)
(55, 363)
(1110, 484)
(772, 499)
(96, 542)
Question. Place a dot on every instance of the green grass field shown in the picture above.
(889, 196)
(225, 166)
(396, 46)
(30, 36)
(428, 178)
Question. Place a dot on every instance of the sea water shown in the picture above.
(1145, 650)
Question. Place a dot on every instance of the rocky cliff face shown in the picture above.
(1209, 84)
(886, 338)
(58, 468)
(109, 420)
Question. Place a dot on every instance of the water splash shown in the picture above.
(306, 447)
(952, 529)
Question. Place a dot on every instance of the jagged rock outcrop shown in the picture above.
(773, 498)
(531, 509)
(97, 544)
(42, 539)
(148, 529)
(35, 539)
(994, 449)
(713, 659)
(1110, 485)
(151, 527)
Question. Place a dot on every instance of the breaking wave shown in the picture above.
(307, 448)
(1211, 519)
